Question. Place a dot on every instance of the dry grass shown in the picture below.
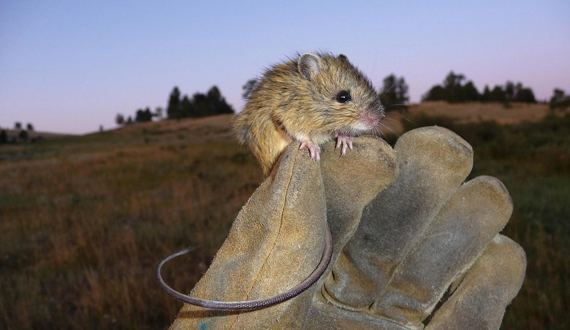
(84, 220)
(85, 223)
(471, 113)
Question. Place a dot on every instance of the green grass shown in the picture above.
(84, 220)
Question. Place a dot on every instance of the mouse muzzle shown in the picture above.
(370, 118)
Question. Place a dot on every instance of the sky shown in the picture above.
(71, 66)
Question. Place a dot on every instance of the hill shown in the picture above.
(13, 135)
(86, 218)
(474, 112)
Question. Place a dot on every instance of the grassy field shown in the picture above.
(474, 112)
(84, 220)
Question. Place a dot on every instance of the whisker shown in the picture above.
(376, 132)
(407, 119)
(388, 127)
(390, 119)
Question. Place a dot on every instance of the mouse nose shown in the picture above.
(371, 117)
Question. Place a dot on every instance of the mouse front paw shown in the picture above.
(314, 149)
(344, 142)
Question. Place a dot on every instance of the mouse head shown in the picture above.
(341, 92)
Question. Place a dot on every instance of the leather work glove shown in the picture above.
(413, 246)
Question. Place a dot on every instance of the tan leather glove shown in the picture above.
(405, 231)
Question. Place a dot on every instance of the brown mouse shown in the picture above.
(310, 99)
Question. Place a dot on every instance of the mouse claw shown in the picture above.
(314, 150)
(344, 142)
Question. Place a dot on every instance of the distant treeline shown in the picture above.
(393, 93)
(455, 88)
(559, 100)
(200, 105)
(19, 134)
(181, 106)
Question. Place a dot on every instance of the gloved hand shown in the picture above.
(413, 246)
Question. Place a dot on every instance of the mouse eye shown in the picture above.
(343, 97)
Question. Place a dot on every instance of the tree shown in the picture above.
(214, 94)
(186, 107)
(469, 92)
(120, 119)
(518, 93)
(436, 93)
(498, 94)
(557, 95)
(142, 116)
(452, 80)
(247, 88)
(394, 91)
(30, 127)
(173, 110)
(402, 91)
(510, 90)
(559, 99)
(158, 113)
(518, 87)
(23, 135)
(526, 95)
(453, 90)
(17, 126)
(452, 84)
(129, 120)
(486, 96)
(3, 136)
(201, 106)
(218, 102)
(387, 93)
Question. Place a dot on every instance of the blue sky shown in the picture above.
(70, 66)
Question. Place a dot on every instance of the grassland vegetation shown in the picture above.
(84, 220)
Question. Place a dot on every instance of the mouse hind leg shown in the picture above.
(266, 143)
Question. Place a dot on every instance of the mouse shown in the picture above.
(309, 99)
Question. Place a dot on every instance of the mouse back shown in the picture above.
(311, 96)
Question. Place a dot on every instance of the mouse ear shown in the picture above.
(309, 65)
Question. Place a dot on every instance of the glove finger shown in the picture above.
(352, 181)
(432, 162)
(275, 242)
(481, 297)
(458, 235)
